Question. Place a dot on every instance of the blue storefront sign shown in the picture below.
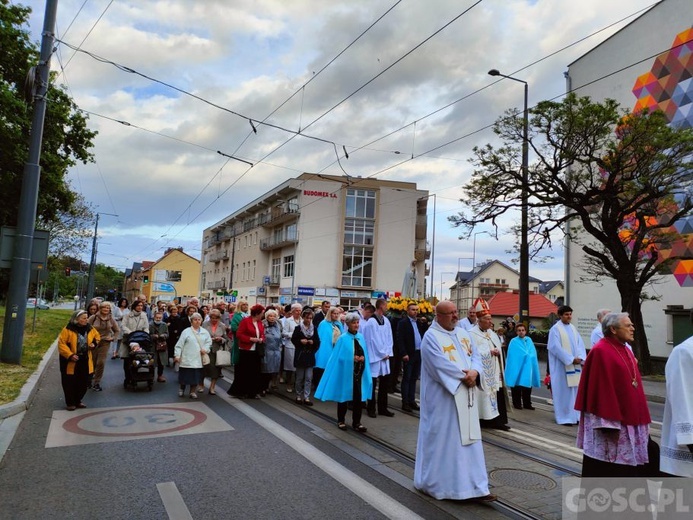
(306, 291)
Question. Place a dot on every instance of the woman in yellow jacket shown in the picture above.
(75, 345)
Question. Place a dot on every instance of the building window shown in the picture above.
(253, 269)
(236, 273)
(288, 266)
(358, 231)
(357, 266)
(360, 203)
(255, 238)
(243, 274)
(276, 268)
(291, 232)
(292, 204)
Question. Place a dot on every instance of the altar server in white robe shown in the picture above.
(450, 460)
(566, 355)
(379, 342)
(676, 451)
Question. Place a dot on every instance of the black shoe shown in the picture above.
(387, 413)
(503, 427)
(517, 407)
(406, 408)
(372, 415)
(414, 406)
(530, 407)
(97, 388)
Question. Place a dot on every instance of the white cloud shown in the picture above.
(250, 56)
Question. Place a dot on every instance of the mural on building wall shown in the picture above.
(668, 86)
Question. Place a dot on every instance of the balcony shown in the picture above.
(275, 280)
(221, 284)
(219, 256)
(279, 215)
(278, 241)
(421, 225)
(422, 254)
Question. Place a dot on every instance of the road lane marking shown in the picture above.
(173, 501)
(389, 507)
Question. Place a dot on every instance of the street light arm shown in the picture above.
(495, 72)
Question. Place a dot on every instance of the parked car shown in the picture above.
(40, 304)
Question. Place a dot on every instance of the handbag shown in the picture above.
(205, 359)
(223, 358)
(260, 349)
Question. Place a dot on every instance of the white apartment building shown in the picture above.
(318, 237)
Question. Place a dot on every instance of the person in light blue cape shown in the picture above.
(522, 368)
(347, 375)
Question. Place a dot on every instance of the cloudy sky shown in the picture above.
(411, 77)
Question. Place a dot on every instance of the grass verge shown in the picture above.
(48, 325)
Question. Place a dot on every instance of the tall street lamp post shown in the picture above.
(474, 261)
(524, 246)
(441, 282)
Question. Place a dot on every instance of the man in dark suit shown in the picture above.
(410, 331)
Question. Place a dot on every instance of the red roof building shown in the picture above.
(507, 304)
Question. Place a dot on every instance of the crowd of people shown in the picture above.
(353, 359)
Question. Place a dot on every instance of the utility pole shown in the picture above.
(15, 312)
(92, 264)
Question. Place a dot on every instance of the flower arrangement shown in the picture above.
(397, 305)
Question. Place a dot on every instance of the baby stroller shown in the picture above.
(141, 361)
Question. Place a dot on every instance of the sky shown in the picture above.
(402, 85)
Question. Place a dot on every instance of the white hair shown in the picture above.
(601, 313)
(271, 312)
(612, 319)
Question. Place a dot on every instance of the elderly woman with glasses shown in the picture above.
(75, 345)
(218, 332)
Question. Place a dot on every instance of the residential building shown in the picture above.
(553, 290)
(176, 275)
(319, 237)
(487, 279)
(647, 64)
(134, 279)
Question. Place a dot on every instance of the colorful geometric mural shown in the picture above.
(669, 87)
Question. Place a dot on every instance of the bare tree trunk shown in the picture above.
(630, 302)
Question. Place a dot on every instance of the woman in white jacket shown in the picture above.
(194, 342)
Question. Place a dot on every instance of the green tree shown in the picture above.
(613, 182)
(66, 138)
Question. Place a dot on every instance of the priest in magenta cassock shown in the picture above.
(566, 354)
(450, 460)
(614, 430)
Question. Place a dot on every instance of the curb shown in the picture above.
(28, 391)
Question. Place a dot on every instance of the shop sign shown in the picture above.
(306, 291)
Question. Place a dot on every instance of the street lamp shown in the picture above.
(457, 284)
(441, 282)
(524, 246)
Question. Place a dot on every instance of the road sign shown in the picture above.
(163, 287)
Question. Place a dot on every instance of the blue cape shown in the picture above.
(337, 383)
(522, 369)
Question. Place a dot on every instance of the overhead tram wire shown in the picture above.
(78, 48)
(316, 74)
(443, 145)
(467, 96)
(378, 75)
(432, 113)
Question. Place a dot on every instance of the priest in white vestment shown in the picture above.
(493, 410)
(450, 460)
(566, 355)
(379, 343)
(676, 450)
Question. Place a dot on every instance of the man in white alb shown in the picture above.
(450, 460)
(379, 342)
(598, 333)
(566, 355)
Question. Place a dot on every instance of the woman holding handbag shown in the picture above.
(193, 345)
(218, 332)
(251, 338)
(306, 342)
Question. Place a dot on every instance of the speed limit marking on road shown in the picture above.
(130, 423)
